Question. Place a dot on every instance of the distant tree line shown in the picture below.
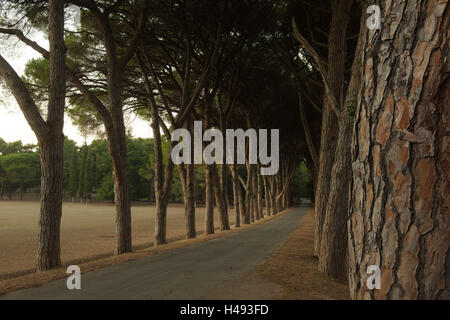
(87, 173)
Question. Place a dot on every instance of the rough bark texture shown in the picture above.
(328, 136)
(209, 179)
(399, 214)
(162, 201)
(255, 193)
(236, 196)
(163, 180)
(51, 147)
(187, 182)
(117, 145)
(209, 199)
(333, 248)
(121, 194)
(223, 214)
(259, 190)
(267, 197)
(48, 251)
(50, 137)
(163, 177)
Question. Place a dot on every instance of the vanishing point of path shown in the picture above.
(195, 272)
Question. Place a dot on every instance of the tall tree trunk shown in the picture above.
(223, 167)
(117, 145)
(223, 214)
(242, 205)
(48, 252)
(209, 179)
(162, 194)
(236, 196)
(51, 146)
(224, 185)
(267, 197)
(121, 196)
(333, 249)
(248, 196)
(209, 203)
(400, 201)
(255, 194)
(49, 134)
(328, 138)
(272, 190)
(278, 191)
(163, 175)
(259, 192)
(187, 182)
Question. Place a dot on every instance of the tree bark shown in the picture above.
(329, 133)
(187, 182)
(400, 201)
(259, 192)
(333, 248)
(267, 197)
(209, 179)
(236, 196)
(255, 194)
(209, 203)
(49, 250)
(50, 137)
(121, 197)
(223, 214)
(163, 176)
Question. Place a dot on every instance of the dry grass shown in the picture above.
(294, 267)
(87, 237)
(87, 232)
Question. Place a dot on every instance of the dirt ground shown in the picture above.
(293, 269)
(87, 232)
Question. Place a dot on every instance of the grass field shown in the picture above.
(87, 231)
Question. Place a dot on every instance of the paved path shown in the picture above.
(195, 272)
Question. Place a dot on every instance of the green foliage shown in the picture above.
(22, 170)
(73, 173)
(302, 186)
(106, 190)
(15, 147)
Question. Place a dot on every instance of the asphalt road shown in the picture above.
(195, 272)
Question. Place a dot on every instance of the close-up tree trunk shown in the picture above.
(399, 201)
(328, 138)
(333, 249)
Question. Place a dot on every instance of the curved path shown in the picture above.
(199, 271)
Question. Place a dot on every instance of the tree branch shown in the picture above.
(23, 98)
(320, 66)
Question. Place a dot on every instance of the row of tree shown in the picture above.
(87, 173)
(356, 104)
(196, 60)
